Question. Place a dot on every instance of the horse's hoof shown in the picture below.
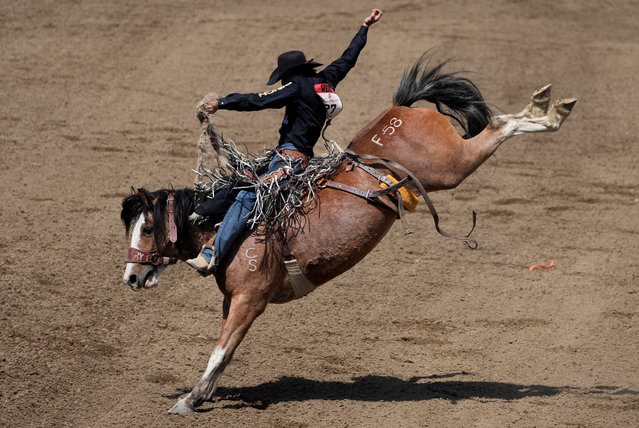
(564, 106)
(540, 101)
(542, 93)
(181, 408)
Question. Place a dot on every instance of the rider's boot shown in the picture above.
(195, 217)
(204, 263)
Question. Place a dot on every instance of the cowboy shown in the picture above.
(310, 100)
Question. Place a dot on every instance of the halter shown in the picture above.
(157, 257)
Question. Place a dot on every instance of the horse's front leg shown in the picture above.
(239, 313)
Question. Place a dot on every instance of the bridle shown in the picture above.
(158, 256)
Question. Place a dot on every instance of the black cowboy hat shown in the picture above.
(289, 61)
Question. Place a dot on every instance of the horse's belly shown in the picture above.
(339, 234)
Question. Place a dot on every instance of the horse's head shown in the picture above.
(151, 217)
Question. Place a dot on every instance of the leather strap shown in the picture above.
(135, 255)
(401, 213)
(366, 194)
(380, 176)
(383, 178)
(469, 242)
(374, 195)
(170, 205)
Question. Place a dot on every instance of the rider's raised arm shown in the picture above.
(276, 98)
(338, 69)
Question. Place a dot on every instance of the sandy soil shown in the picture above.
(99, 96)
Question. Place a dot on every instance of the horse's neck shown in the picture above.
(198, 237)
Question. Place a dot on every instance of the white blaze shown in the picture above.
(135, 242)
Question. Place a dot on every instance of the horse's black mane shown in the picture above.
(462, 99)
(133, 205)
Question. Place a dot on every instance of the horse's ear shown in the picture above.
(148, 199)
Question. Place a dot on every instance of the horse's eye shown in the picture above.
(147, 230)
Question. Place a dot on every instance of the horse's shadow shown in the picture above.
(375, 388)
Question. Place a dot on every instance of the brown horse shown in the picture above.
(346, 227)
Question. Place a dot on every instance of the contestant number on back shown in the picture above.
(331, 101)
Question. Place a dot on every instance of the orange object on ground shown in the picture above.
(552, 263)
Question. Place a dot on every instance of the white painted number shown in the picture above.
(389, 129)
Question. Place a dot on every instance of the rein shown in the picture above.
(158, 256)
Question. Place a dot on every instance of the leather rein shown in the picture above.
(158, 256)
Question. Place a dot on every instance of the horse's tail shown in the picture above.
(460, 96)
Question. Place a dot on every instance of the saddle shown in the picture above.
(214, 205)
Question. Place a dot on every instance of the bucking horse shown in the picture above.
(419, 147)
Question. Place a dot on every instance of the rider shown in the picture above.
(304, 118)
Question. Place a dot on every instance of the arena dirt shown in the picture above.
(100, 96)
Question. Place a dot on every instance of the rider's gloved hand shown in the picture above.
(207, 105)
(375, 16)
(211, 106)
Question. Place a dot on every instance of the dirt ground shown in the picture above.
(99, 96)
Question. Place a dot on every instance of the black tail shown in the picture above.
(462, 99)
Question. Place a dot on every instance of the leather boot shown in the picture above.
(203, 266)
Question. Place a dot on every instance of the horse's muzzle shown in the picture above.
(132, 281)
(148, 278)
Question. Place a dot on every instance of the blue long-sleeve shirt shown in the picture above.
(305, 113)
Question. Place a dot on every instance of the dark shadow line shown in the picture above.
(386, 389)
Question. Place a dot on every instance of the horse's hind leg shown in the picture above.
(239, 313)
(536, 116)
